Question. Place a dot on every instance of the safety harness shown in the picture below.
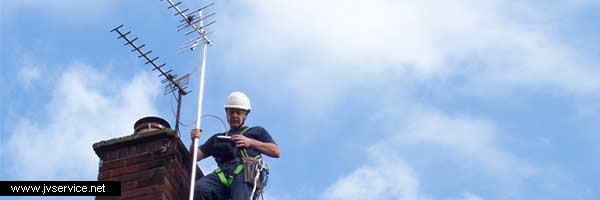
(255, 171)
(238, 169)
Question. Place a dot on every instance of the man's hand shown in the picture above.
(242, 141)
(270, 149)
(195, 133)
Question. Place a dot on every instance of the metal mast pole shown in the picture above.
(199, 113)
(197, 24)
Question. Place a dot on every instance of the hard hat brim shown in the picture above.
(238, 107)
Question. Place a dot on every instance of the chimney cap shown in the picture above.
(150, 122)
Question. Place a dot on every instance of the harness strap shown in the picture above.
(228, 180)
(244, 152)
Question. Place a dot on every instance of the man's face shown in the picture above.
(236, 117)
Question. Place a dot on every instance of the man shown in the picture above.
(227, 182)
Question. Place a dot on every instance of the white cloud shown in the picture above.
(388, 177)
(469, 196)
(469, 137)
(427, 148)
(29, 71)
(86, 106)
(329, 47)
(28, 74)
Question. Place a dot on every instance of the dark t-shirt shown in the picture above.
(224, 150)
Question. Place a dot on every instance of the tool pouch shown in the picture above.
(251, 169)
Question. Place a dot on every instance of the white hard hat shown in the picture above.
(238, 100)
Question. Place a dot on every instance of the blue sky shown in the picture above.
(415, 100)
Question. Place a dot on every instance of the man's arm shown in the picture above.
(267, 148)
(200, 153)
(195, 133)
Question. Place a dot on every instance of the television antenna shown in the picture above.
(193, 22)
(174, 83)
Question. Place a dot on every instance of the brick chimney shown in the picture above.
(152, 163)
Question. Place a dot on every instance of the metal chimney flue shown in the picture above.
(150, 123)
